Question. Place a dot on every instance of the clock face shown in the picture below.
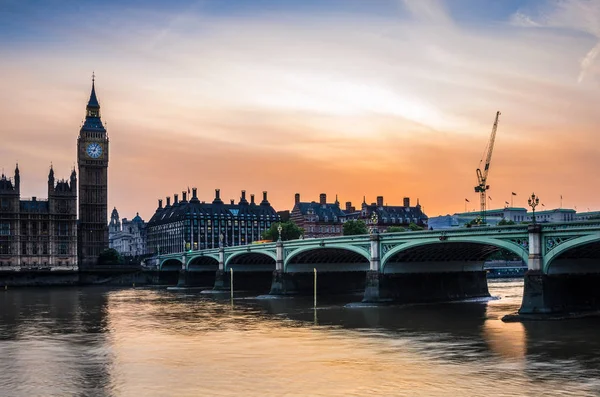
(94, 150)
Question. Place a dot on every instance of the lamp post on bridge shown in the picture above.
(533, 201)
(374, 222)
(279, 229)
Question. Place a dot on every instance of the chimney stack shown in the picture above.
(232, 201)
(168, 201)
(194, 193)
(322, 199)
(265, 201)
(243, 199)
(296, 198)
(217, 194)
(407, 201)
(380, 201)
(160, 204)
(184, 195)
(349, 206)
(175, 199)
(252, 199)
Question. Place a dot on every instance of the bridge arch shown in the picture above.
(454, 254)
(203, 263)
(251, 261)
(327, 258)
(171, 264)
(577, 255)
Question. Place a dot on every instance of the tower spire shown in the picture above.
(93, 102)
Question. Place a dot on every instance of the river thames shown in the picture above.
(153, 342)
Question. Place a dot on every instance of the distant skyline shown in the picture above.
(384, 97)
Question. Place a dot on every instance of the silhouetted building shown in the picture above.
(128, 237)
(92, 159)
(38, 233)
(320, 219)
(195, 225)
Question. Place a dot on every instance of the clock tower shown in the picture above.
(92, 160)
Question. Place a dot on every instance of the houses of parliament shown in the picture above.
(45, 234)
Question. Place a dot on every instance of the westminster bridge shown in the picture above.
(563, 261)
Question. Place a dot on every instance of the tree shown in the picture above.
(289, 231)
(395, 229)
(504, 222)
(353, 227)
(110, 257)
(413, 227)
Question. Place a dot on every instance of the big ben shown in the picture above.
(92, 159)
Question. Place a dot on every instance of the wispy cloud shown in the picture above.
(576, 15)
(393, 104)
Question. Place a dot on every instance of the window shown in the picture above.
(4, 229)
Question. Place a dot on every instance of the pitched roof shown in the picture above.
(393, 211)
(329, 212)
(194, 208)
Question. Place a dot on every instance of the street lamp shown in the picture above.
(221, 240)
(533, 201)
(374, 222)
(279, 229)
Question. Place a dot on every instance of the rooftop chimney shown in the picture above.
(184, 195)
(243, 198)
(217, 196)
(232, 201)
(322, 199)
(159, 204)
(168, 201)
(407, 201)
(194, 193)
(296, 198)
(380, 201)
(175, 199)
(349, 206)
(265, 201)
(252, 199)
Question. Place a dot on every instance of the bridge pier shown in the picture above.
(569, 290)
(282, 283)
(182, 279)
(221, 279)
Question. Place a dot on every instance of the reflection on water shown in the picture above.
(145, 342)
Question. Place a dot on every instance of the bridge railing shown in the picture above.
(519, 229)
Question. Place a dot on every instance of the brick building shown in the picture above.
(320, 219)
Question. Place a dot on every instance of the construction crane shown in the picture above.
(482, 185)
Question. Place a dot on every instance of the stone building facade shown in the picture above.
(194, 225)
(38, 234)
(320, 219)
(127, 237)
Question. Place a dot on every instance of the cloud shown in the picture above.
(575, 15)
(399, 104)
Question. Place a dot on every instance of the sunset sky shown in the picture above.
(349, 97)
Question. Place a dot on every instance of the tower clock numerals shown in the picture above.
(94, 150)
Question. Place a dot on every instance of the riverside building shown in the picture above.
(38, 234)
(195, 225)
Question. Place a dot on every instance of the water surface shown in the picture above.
(153, 342)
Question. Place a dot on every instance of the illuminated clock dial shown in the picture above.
(94, 150)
